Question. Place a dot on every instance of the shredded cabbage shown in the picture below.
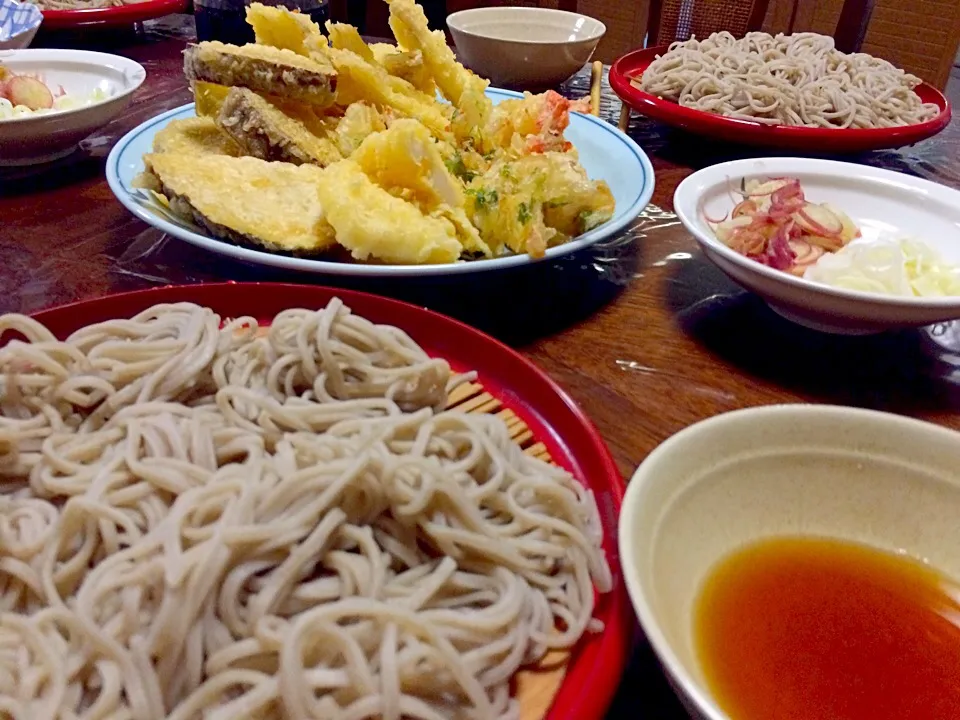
(891, 267)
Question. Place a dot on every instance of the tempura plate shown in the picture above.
(594, 669)
(605, 153)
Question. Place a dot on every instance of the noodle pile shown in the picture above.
(800, 80)
(231, 522)
(79, 4)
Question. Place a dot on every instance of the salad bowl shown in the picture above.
(886, 207)
(90, 90)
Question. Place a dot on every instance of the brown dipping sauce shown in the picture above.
(817, 629)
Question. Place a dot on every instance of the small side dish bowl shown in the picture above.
(873, 478)
(41, 137)
(524, 46)
(19, 23)
(882, 203)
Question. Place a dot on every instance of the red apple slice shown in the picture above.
(29, 92)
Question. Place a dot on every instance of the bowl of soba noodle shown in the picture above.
(104, 13)
(784, 90)
(205, 515)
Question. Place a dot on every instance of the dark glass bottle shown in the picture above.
(225, 20)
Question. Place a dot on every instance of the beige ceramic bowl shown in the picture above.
(875, 478)
(524, 46)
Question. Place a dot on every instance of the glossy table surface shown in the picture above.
(643, 332)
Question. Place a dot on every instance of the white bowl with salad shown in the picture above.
(833, 246)
(50, 100)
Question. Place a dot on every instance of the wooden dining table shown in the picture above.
(642, 330)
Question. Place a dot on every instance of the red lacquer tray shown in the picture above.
(596, 665)
(112, 16)
(753, 133)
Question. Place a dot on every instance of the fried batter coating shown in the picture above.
(268, 204)
(373, 224)
(405, 160)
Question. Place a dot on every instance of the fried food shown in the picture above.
(347, 37)
(405, 64)
(208, 98)
(375, 225)
(271, 205)
(405, 161)
(265, 131)
(460, 86)
(535, 202)
(346, 144)
(280, 28)
(531, 124)
(359, 121)
(195, 136)
(264, 69)
(360, 80)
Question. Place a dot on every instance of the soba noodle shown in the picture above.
(799, 79)
(214, 522)
(80, 4)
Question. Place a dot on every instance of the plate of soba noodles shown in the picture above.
(267, 500)
(65, 14)
(786, 91)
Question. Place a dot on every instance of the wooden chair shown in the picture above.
(671, 20)
(852, 25)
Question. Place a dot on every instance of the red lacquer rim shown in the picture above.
(598, 661)
(753, 133)
(118, 15)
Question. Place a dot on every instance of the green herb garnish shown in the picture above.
(483, 198)
(457, 167)
(589, 219)
(523, 213)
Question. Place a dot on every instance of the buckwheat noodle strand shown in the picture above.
(799, 80)
(208, 519)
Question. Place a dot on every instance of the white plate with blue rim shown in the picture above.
(605, 153)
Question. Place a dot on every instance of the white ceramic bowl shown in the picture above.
(524, 46)
(874, 478)
(32, 139)
(19, 23)
(881, 202)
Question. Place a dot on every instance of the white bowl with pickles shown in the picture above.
(833, 246)
(50, 100)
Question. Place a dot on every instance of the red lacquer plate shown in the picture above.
(596, 665)
(112, 16)
(753, 133)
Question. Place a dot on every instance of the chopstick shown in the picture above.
(596, 73)
(624, 117)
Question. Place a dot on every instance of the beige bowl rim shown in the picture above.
(694, 693)
(454, 20)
